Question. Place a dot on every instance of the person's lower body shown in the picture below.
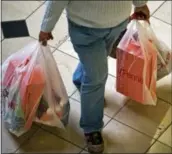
(93, 47)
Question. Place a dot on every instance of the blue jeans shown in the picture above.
(93, 47)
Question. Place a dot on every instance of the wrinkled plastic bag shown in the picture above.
(137, 64)
(164, 56)
(32, 90)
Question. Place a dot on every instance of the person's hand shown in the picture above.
(141, 13)
(44, 37)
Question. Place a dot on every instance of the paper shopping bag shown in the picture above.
(131, 79)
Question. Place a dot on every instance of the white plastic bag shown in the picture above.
(32, 90)
(164, 60)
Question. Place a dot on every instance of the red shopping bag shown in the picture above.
(136, 67)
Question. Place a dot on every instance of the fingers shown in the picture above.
(51, 37)
(140, 16)
(44, 43)
(44, 37)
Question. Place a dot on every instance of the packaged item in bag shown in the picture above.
(137, 65)
(30, 78)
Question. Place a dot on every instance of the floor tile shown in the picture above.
(60, 31)
(162, 30)
(84, 152)
(17, 10)
(159, 148)
(164, 12)
(167, 137)
(67, 47)
(112, 66)
(10, 143)
(151, 120)
(154, 5)
(122, 139)
(10, 46)
(44, 142)
(164, 88)
(66, 65)
(10, 32)
(73, 132)
(114, 100)
(76, 96)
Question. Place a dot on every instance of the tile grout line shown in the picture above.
(41, 4)
(133, 128)
(164, 101)
(161, 20)
(2, 40)
(57, 48)
(152, 14)
(62, 138)
(157, 139)
(67, 54)
(62, 42)
(150, 147)
(140, 131)
(164, 132)
(27, 139)
(111, 118)
(156, 142)
(73, 93)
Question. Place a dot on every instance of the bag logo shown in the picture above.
(122, 72)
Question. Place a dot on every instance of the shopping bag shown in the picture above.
(164, 56)
(164, 60)
(54, 94)
(137, 65)
(13, 70)
(28, 77)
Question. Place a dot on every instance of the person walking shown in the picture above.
(93, 26)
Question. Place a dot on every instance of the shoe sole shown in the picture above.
(96, 149)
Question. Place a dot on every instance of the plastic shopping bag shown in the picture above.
(164, 54)
(137, 65)
(164, 60)
(29, 78)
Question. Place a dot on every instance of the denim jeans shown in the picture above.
(93, 47)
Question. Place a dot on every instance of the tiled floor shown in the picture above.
(129, 127)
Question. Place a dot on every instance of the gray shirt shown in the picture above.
(95, 14)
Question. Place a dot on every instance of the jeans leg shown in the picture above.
(93, 57)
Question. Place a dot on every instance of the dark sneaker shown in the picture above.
(95, 142)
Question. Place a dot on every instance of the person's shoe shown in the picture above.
(95, 142)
